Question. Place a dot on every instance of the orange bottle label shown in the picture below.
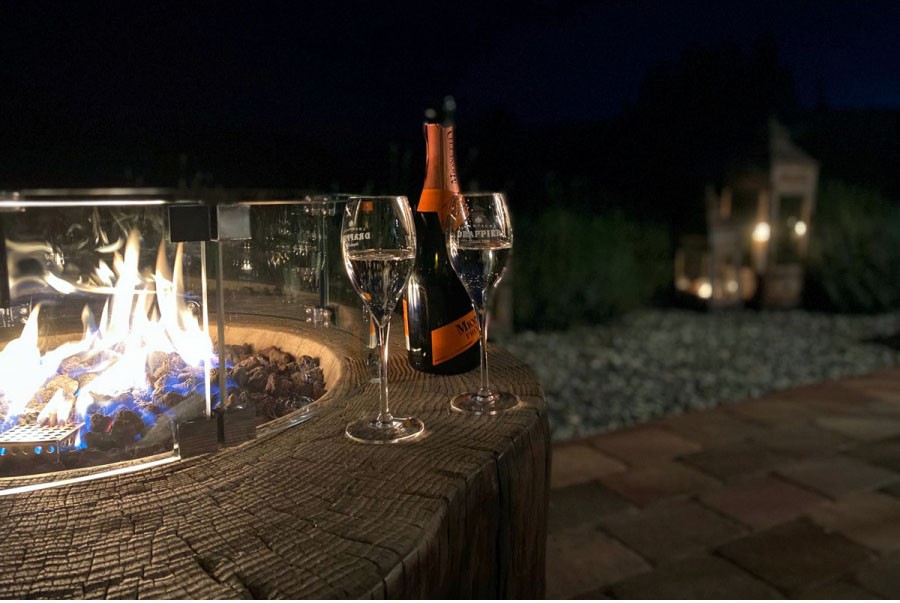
(455, 338)
(435, 200)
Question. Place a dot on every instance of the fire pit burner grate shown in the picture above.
(31, 440)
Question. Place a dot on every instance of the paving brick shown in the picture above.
(772, 411)
(593, 595)
(838, 590)
(644, 445)
(838, 475)
(886, 376)
(882, 577)
(829, 398)
(574, 463)
(879, 404)
(893, 489)
(855, 406)
(881, 387)
(702, 577)
(861, 428)
(762, 502)
(644, 485)
(870, 519)
(736, 461)
(796, 556)
(583, 505)
(818, 392)
(668, 531)
(884, 453)
(713, 427)
(579, 561)
(802, 441)
(889, 373)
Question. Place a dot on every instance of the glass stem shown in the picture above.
(384, 416)
(485, 390)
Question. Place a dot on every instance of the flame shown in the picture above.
(143, 315)
(57, 410)
(22, 370)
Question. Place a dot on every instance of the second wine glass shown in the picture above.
(378, 243)
(479, 240)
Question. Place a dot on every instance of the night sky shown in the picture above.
(349, 73)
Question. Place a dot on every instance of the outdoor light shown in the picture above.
(800, 228)
(762, 231)
(704, 291)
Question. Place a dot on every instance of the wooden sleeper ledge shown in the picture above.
(305, 512)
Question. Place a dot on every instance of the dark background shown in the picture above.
(603, 121)
(318, 94)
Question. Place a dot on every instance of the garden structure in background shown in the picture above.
(758, 229)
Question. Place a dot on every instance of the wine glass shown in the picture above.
(479, 240)
(378, 243)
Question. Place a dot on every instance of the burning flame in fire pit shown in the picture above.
(116, 366)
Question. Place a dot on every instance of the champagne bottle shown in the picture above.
(441, 327)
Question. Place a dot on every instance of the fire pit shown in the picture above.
(178, 301)
(271, 512)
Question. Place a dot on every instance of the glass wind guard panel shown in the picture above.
(104, 351)
(283, 286)
(111, 335)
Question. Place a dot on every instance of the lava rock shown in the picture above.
(170, 399)
(99, 441)
(100, 423)
(127, 426)
(655, 363)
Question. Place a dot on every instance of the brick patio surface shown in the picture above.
(793, 495)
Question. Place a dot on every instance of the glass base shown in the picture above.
(373, 431)
(494, 404)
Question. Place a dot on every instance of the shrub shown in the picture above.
(854, 260)
(573, 268)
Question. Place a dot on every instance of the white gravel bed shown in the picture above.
(666, 362)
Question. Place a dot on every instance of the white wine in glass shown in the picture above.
(378, 243)
(479, 240)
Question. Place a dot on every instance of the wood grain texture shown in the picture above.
(304, 512)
